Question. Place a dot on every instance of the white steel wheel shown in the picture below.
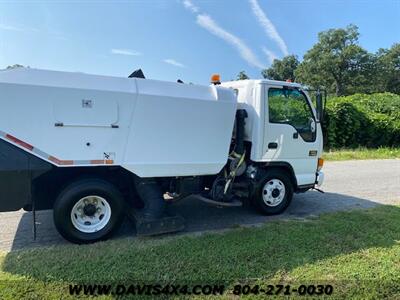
(88, 210)
(91, 214)
(273, 192)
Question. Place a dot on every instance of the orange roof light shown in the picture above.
(216, 79)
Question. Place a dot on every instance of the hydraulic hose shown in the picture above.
(239, 152)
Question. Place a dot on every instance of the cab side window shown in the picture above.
(290, 106)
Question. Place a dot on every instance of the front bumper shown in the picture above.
(320, 178)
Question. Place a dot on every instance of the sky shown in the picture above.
(181, 39)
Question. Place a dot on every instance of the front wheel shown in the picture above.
(273, 192)
(88, 210)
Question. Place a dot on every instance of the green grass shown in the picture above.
(358, 252)
(361, 153)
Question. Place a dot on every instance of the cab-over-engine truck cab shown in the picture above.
(283, 131)
(253, 140)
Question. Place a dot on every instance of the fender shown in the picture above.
(283, 165)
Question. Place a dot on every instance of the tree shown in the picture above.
(242, 76)
(337, 63)
(15, 66)
(282, 69)
(388, 69)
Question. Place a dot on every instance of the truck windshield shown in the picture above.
(290, 106)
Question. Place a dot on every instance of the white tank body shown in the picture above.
(151, 128)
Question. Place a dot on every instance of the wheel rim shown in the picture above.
(91, 214)
(273, 192)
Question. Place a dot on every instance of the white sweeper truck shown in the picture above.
(96, 148)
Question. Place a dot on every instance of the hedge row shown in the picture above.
(363, 120)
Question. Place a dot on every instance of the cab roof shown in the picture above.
(241, 83)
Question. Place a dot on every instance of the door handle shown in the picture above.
(272, 145)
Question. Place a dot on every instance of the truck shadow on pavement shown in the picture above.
(199, 217)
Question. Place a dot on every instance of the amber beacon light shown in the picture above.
(216, 79)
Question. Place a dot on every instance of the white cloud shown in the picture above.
(269, 28)
(211, 26)
(245, 52)
(190, 6)
(17, 28)
(125, 52)
(271, 55)
(174, 62)
(9, 27)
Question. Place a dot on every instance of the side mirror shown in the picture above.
(320, 107)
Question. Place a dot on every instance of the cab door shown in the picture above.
(291, 133)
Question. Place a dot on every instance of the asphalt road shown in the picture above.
(348, 185)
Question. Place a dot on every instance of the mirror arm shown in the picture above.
(320, 109)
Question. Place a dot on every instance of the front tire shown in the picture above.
(88, 210)
(273, 192)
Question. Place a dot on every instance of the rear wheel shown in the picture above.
(88, 210)
(273, 192)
